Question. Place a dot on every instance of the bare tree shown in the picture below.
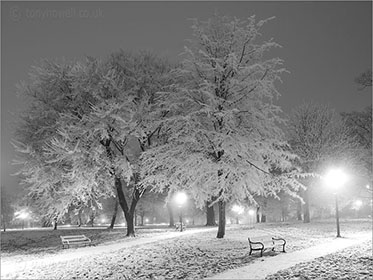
(319, 137)
(365, 79)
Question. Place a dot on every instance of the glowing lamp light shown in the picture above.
(335, 178)
(358, 203)
(238, 209)
(23, 215)
(251, 212)
(181, 198)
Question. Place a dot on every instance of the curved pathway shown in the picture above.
(267, 265)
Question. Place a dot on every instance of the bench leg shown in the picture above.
(261, 253)
(250, 252)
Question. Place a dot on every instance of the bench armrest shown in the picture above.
(280, 239)
(255, 243)
(252, 242)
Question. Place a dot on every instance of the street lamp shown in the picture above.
(335, 178)
(358, 203)
(238, 210)
(23, 216)
(180, 199)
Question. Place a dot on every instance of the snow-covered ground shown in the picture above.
(194, 254)
(355, 262)
(263, 267)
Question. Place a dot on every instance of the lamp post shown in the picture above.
(180, 199)
(238, 210)
(335, 178)
(358, 203)
(23, 216)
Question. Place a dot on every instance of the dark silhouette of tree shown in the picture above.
(365, 79)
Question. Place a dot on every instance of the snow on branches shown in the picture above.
(86, 126)
(223, 127)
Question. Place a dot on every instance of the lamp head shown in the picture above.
(335, 178)
(238, 209)
(180, 198)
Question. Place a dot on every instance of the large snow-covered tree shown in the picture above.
(94, 146)
(321, 139)
(117, 129)
(51, 92)
(222, 131)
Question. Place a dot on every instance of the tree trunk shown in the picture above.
(55, 224)
(306, 207)
(128, 211)
(80, 217)
(299, 210)
(258, 214)
(264, 210)
(171, 215)
(142, 218)
(210, 215)
(92, 219)
(114, 216)
(221, 228)
(130, 224)
(264, 218)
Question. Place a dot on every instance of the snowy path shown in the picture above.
(266, 265)
(12, 264)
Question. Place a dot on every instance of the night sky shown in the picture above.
(325, 45)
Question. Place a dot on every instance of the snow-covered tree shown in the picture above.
(93, 147)
(51, 92)
(109, 139)
(321, 139)
(223, 136)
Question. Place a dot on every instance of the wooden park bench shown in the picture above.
(77, 240)
(178, 225)
(267, 244)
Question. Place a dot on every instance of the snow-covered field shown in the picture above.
(155, 253)
(351, 263)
